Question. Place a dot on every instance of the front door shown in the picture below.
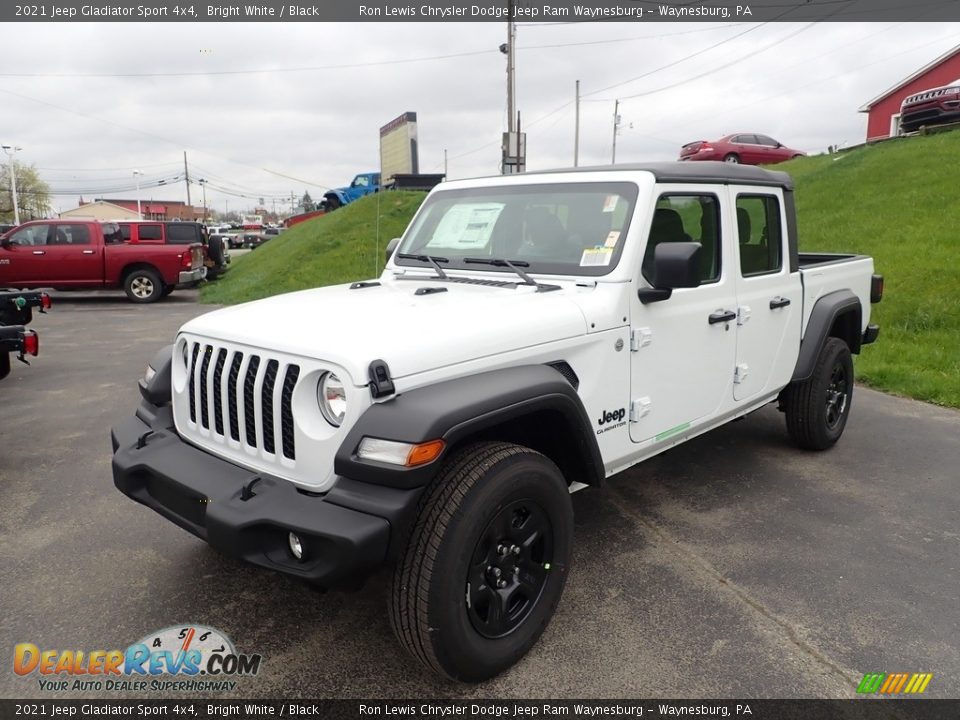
(23, 258)
(683, 348)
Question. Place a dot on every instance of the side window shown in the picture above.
(746, 139)
(759, 234)
(764, 140)
(687, 218)
(150, 232)
(125, 231)
(31, 236)
(70, 235)
(182, 234)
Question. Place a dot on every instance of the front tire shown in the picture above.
(486, 562)
(817, 408)
(143, 285)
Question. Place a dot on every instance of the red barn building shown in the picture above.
(883, 112)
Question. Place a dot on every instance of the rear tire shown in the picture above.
(732, 158)
(143, 285)
(486, 562)
(817, 408)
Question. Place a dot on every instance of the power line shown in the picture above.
(348, 66)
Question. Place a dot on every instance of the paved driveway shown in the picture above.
(734, 565)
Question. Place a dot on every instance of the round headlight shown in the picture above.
(332, 397)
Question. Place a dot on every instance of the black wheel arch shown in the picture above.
(838, 314)
(530, 405)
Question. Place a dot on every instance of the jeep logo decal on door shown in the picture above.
(611, 417)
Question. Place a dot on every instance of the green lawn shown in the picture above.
(327, 250)
(896, 201)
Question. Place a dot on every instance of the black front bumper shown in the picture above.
(346, 533)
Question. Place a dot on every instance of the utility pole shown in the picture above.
(203, 184)
(186, 173)
(576, 127)
(136, 176)
(514, 147)
(616, 127)
(511, 71)
(11, 151)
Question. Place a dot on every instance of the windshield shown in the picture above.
(561, 229)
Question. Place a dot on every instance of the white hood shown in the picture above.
(411, 333)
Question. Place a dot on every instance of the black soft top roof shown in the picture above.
(710, 172)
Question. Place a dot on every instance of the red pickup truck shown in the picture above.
(73, 254)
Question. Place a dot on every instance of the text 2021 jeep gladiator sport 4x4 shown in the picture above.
(530, 336)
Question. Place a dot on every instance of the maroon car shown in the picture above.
(746, 148)
(931, 107)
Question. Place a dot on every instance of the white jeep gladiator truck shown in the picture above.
(530, 336)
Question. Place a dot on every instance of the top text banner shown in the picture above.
(484, 11)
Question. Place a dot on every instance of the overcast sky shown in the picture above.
(97, 105)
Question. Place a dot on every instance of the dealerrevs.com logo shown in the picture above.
(188, 658)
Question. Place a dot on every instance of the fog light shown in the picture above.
(296, 547)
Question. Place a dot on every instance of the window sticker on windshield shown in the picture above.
(610, 204)
(612, 239)
(466, 226)
(596, 256)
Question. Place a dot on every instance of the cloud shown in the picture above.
(320, 126)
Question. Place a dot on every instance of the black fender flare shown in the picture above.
(824, 315)
(458, 409)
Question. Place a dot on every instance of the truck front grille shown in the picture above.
(244, 396)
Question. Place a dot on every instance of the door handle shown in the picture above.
(39, 252)
(90, 252)
(779, 302)
(722, 316)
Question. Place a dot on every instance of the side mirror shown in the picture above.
(5, 243)
(391, 246)
(675, 265)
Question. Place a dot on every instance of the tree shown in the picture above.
(307, 204)
(33, 194)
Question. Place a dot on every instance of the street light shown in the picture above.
(203, 184)
(136, 175)
(11, 151)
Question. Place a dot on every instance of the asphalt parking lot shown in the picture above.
(733, 566)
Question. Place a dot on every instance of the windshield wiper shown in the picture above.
(514, 265)
(435, 260)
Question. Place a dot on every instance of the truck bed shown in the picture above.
(823, 273)
(811, 259)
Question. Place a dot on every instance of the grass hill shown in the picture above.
(327, 250)
(897, 201)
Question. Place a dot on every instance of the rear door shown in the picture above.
(73, 255)
(769, 296)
